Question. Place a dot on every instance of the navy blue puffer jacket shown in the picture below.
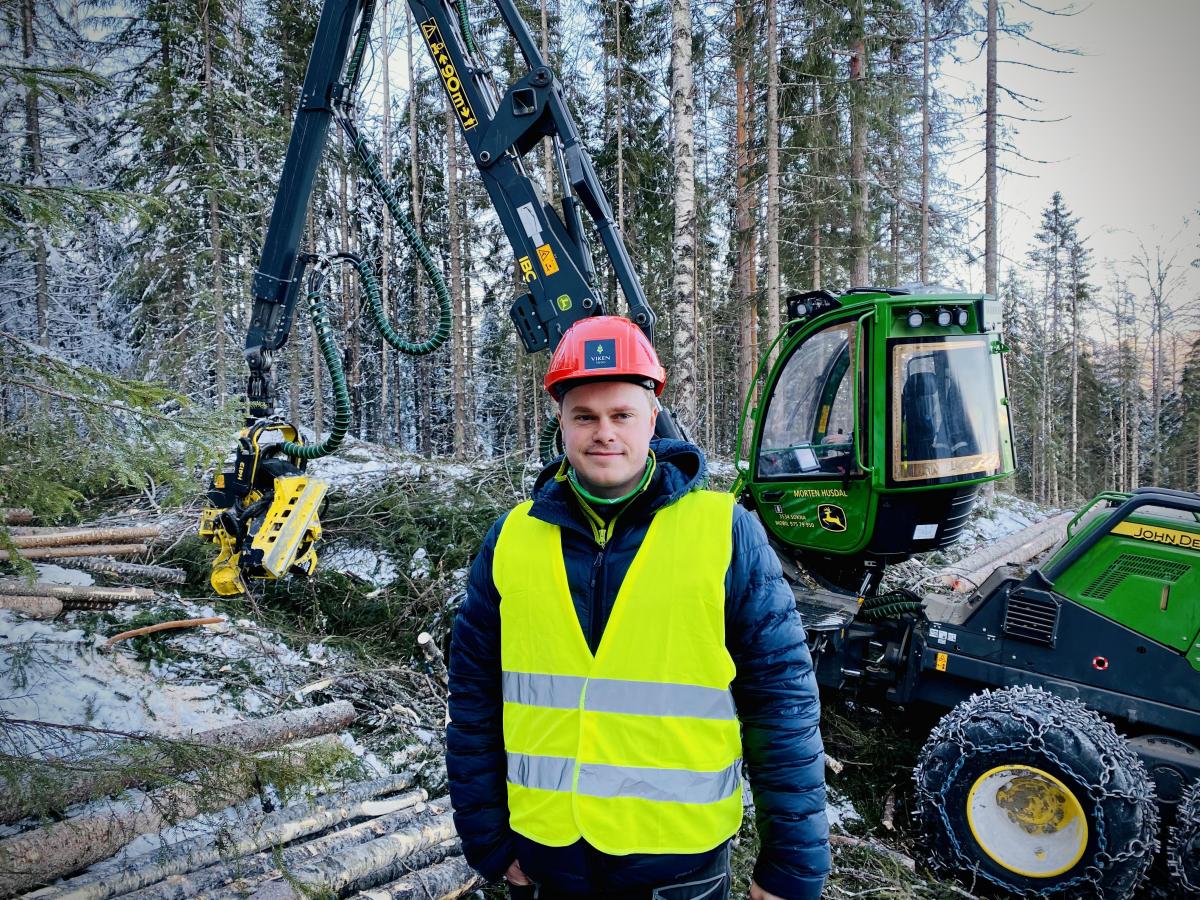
(774, 690)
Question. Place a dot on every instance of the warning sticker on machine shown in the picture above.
(546, 258)
(1159, 535)
(942, 636)
(445, 67)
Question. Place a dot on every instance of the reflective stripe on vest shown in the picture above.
(637, 749)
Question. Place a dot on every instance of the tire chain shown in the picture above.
(1183, 847)
(1066, 714)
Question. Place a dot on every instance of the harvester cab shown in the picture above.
(879, 418)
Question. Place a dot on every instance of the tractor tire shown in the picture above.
(1183, 846)
(1038, 795)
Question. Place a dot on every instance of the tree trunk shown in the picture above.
(446, 880)
(83, 536)
(53, 851)
(923, 256)
(991, 250)
(772, 173)
(1075, 389)
(385, 235)
(458, 363)
(421, 368)
(214, 205)
(683, 114)
(859, 191)
(746, 269)
(73, 592)
(376, 861)
(619, 65)
(36, 607)
(129, 766)
(35, 172)
(547, 144)
(317, 362)
(275, 829)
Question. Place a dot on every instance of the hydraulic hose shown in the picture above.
(337, 375)
(550, 441)
(465, 24)
(374, 172)
(890, 610)
(379, 317)
(360, 45)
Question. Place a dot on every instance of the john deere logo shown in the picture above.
(599, 355)
(564, 302)
(832, 518)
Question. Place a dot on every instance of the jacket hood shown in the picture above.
(680, 468)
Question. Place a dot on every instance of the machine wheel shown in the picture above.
(1183, 847)
(1038, 795)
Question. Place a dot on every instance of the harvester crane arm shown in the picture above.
(264, 509)
(551, 249)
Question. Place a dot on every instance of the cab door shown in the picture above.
(806, 474)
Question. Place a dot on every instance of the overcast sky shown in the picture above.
(1127, 156)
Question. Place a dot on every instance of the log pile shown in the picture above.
(60, 543)
(380, 835)
(89, 549)
(374, 837)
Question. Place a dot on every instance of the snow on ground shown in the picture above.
(58, 575)
(840, 810)
(57, 672)
(357, 461)
(378, 568)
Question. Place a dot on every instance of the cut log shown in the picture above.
(277, 828)
(248, 870)
(433, 653)
(446, 880)
(139, 571)
(81, 550)
(47, 853)
(15, 515)
(375, 862)
(77, 592)
(111, 776)
(971, 571)
(86, 536)
(163, 626)
(36, 607)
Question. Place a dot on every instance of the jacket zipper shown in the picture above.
(593, 598)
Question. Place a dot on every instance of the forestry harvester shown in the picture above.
(882, 414)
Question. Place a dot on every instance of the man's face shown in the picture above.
(606, 428)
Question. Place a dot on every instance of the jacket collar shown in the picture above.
(681, 469)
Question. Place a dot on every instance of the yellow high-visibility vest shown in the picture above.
(637, 749)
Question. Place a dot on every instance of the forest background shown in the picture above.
(750, 149)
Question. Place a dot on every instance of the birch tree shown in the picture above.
(684, 244)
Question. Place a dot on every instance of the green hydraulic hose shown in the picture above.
(337, 376)
(374, 173)
(890, 610)
(550, 441)
(360, 46)
(379, 317)
(465, 24)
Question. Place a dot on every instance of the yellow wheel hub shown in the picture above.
(1027, 821)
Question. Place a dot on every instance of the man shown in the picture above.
(626, 639)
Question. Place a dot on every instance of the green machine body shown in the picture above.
(880, 415)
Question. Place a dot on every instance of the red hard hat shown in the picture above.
(604, 348)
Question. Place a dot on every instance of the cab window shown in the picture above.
(808, 430)
(944, 410)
